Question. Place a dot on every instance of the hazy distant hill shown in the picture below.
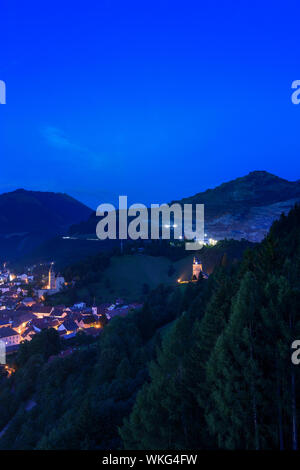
(27, 218)
(242, 208)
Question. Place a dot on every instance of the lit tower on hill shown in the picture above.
(197, 268)
(94, 308)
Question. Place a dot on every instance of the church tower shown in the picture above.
(197, 268)
(95, 309)
(51, 278)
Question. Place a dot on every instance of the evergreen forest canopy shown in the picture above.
(201, 366)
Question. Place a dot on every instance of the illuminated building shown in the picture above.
(197, 268)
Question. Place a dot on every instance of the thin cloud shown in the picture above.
(57, 138)
(84, 158)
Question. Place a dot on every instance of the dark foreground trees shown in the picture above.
(233, 384)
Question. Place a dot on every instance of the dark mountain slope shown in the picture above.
(247, 206)
(257, 188)
(30, 211)
(28, 218)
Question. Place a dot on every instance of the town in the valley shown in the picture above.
(23, 312)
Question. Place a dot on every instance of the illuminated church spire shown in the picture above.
(51, 278)
(197, 268)
(95, 308)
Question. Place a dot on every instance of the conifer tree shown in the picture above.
(233, 374)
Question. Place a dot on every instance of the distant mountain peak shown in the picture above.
(262, 174)
(33, 192)
(259, 174)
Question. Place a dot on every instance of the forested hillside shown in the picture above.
(132, 274)
(203, 365)
(223, 377)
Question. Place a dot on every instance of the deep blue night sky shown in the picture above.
(153, 99)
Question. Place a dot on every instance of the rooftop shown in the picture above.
(6, 331)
